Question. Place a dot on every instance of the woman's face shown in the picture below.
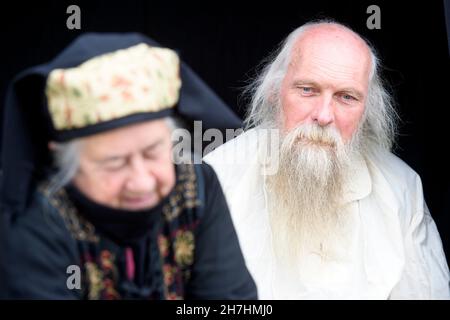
(128, 168)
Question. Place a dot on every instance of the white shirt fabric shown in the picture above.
(394, 252)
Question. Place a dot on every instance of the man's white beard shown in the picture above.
(306, 192)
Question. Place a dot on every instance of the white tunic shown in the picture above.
(394, 249)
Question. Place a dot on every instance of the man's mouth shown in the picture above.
(316, 142)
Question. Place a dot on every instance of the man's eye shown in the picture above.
(348, 97)
(307, 90)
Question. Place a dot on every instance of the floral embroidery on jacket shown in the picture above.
(184, 247)
(101, 277)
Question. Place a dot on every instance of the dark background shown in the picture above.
(225, 42)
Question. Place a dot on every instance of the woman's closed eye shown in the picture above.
(115, 164)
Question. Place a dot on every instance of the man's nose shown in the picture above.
(141, 178)
(323, 112)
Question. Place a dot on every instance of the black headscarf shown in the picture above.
(26, 128)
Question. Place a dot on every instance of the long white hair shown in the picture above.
(379, 122)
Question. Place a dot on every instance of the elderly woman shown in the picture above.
(112, 216)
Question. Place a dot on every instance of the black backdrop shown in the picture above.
(224, 42)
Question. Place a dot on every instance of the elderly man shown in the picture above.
(115, 218)
(330, 213)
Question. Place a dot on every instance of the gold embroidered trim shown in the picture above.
(185, 196)
(80, 228)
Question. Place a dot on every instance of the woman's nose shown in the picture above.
(141, 178)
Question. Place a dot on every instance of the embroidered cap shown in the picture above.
(139, 80)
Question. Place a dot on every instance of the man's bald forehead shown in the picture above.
(333, 31)
(333, 39)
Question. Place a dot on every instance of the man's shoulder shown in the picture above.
(394, 170)
(394, 165)
(233, 158)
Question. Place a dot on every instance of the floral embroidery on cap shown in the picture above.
(138, 79)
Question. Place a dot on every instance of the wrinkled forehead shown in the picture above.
(127, 139)
(334, 53)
